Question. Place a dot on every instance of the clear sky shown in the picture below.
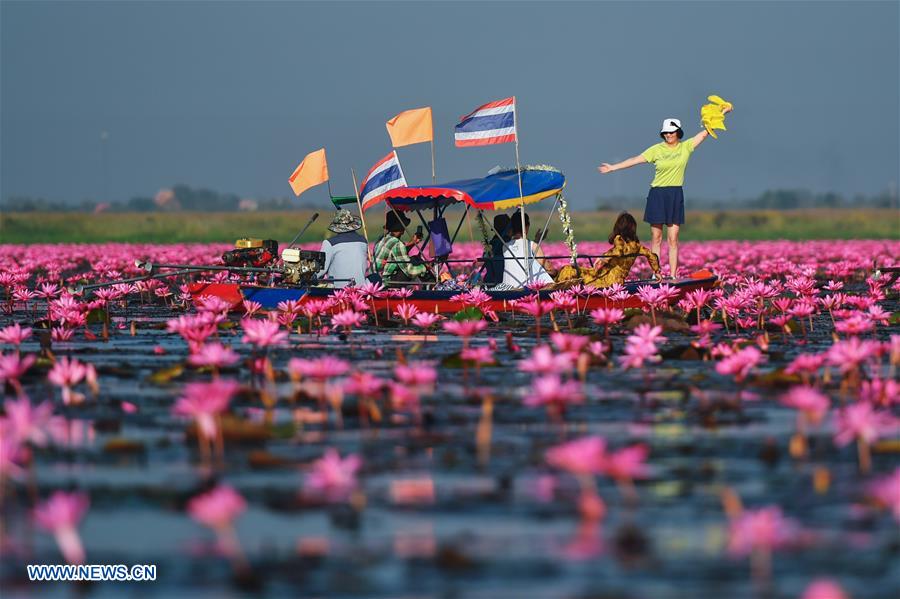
(231, 96)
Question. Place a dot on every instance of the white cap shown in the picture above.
(670, 125)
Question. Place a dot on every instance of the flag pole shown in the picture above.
(527, 244)
(362, 218)
(433, 178)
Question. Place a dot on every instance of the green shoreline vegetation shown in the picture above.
(225, 227)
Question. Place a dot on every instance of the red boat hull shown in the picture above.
(425, 301)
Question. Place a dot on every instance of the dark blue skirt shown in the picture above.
(665, 206)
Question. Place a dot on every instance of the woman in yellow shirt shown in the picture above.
(665, 202)
(626, 248)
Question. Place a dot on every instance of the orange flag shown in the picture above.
(311, 172)
(410, 127)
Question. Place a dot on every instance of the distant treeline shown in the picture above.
(175, 199)
(772, 199)
(185, 198)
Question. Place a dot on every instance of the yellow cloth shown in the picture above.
(614, 269)
(670, 162)
(712, 115)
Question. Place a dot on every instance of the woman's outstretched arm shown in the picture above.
(699, 138)
(608, 168)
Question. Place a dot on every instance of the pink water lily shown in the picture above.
(765, 529)
(425, 320)
(808, 400)
(323, 368)
(862, 421)
(824, 588)
(217, 508)
(60, 515)
(569, 343)
(551, 391)
(213, 354)
(205, 402)
(580, 457)
(333, 477)
(13, 367)
(416, 374)
(67, 373)
(29, 423)
(478, 355)
(627, 464)
(406, 311)
(741, 363)
(544, 360)
(14, 334)
(348, 319)
(886, 491)
(607, 317)
(262, 333)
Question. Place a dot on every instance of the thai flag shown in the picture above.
(493, 123)
(383, 177)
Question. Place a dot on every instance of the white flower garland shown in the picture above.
(563, 208)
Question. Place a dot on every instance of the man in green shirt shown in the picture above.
(392, 260)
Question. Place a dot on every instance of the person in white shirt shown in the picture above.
(516, 273)
(345, 252)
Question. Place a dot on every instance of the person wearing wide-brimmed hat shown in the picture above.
(392, 260)
(665, 202)
(345, 252)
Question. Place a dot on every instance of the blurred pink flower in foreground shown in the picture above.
(544, 360)
(887, 492)
(824, 588)
(551, 391)
(813, 404)
(627, 464)
(321, 369)
(416, 373)
(14, 334)
(641, 347)
(66, 373)
(13, 367)
(60, 515)
(861, 421)
(31, 424)
(217, 508)
(332, 477)
(579, 457)
(764, 529)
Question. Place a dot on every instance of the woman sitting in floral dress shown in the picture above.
(615, 268)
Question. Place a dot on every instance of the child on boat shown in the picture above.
(614, 269)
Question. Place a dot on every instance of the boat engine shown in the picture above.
(301, 266)
(251, 252)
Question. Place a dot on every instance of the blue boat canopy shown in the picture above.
(498, 191)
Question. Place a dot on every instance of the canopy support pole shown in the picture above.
(362, 217)
(547, 224)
